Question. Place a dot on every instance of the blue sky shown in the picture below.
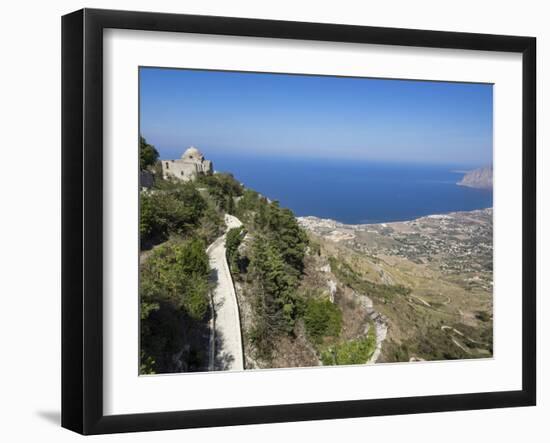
(316, 116)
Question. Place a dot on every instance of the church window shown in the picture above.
(167, 166)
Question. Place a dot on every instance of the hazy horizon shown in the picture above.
(316, 117)
(223, 154)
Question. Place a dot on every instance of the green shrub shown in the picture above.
(223, 188)
(353, 352)
(210, 226)
(150, 222)
(288, 237)
(164, 212)
(276, 286)
(483, 316)
(322, 319)
(249, 202)
(161, 336)
(196, 301)
(147, 363)
(177, 274)
(174, 302)
(233, 239)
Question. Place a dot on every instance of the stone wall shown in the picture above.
(146, 179)
(179, 169)
(185, 170)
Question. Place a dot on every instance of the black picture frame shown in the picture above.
(82, 218)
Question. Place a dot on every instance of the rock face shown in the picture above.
(481, 178)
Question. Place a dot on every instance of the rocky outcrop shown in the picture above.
(481, 178)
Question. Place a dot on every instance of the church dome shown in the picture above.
(192, 153)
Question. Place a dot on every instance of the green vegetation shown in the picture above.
(275, 303)
(276, 269)
(435, 343)
(148, 155)
(189, 266)
(351, 278)
(322, 319)
(177, 221)
(353, 352)
(271, 269)
(176, 209)
(233, 239)
(424, 326)
(483, 316)
(223, 189)
(147, 364)
(174, 297)
(248, 204)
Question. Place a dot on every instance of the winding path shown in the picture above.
(226, 351)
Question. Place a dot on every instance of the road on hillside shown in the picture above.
(226, 351)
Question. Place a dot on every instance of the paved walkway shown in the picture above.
(227, 349)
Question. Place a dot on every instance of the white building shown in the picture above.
(191, 164)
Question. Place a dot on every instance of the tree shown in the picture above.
(249, 202)
(223, 188)
(322, 319)
(148, 155)
(289, 238)
(150, 224)
(276, 301)
(233, 239)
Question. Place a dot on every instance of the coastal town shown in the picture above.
(458, 243)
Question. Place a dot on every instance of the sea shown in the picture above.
(356, 191)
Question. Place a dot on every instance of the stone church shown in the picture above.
(191, 164)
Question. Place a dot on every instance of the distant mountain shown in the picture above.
(481, 178)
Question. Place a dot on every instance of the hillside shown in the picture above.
(305, 291)
(292, 313)
(430, 278)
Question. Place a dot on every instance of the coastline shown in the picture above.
(444, 260)
(311, 220)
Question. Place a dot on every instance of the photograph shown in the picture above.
(293, 220)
